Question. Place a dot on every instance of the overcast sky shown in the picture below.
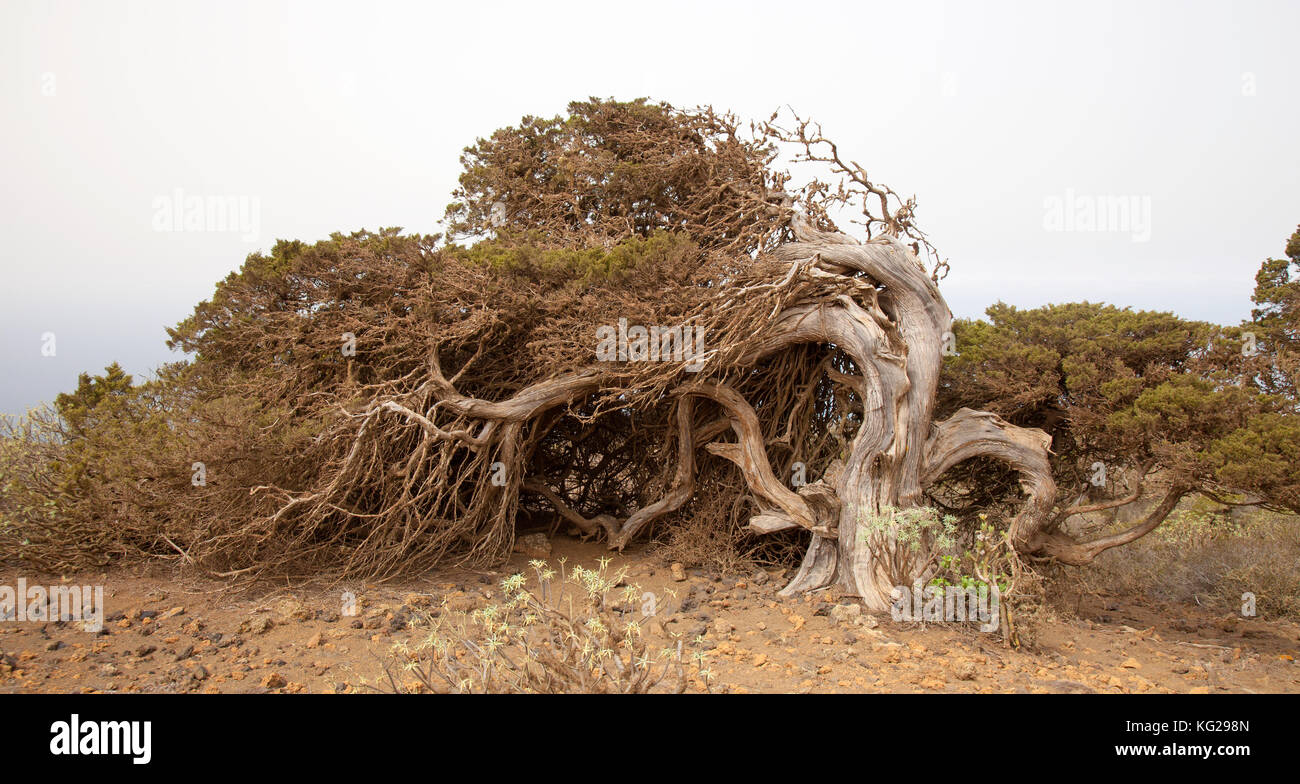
(1011, 122)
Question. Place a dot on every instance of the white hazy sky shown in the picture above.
(339, 116)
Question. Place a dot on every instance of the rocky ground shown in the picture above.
(167, 635)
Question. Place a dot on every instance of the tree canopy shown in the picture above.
(1129, 398)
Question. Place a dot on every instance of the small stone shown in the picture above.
(965, 671)
(258, 625)
(1132, 664)
(847, 613)
(172, 613)
(314, 641)
(679, 572)
(274, 681)
(417, 600)
(534, 546)
(722, 627)
(1067, 687)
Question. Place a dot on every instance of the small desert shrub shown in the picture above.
(721, 542)
(574, 633)
(117, 470)
(984, 558)
(694, 541)
(906, 542)
(1203, 556)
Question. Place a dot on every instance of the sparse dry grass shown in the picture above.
(555, 633)
(1203, 557)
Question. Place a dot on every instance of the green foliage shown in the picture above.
(988, 561)
(1197, 524)
(1263, 455)
(524, 257)
(1027, 364)
(313, 282)
(1276, 320)
(917, 528)
(906, 542)
(97, 398)
(609, 169)
(110, 471)
(1127, 388)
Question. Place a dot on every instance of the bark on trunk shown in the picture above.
(896, 338)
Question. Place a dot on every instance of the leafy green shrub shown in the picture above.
(989, 563)
(907, 542)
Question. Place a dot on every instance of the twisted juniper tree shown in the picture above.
(637, 319)
(816, 345)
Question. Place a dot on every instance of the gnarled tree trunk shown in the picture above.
(894, 332)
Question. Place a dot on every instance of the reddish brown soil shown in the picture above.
(168, 635)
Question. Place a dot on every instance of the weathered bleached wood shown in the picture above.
(749, 453)
(771, 523)
(1057, 546)
(590, 527)
(683, 485)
